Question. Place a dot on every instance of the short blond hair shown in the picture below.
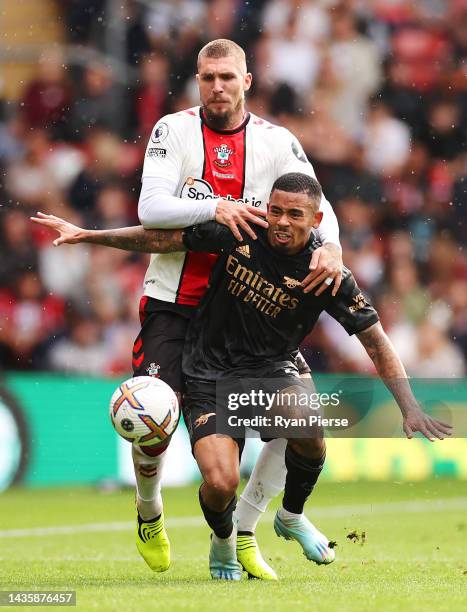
(222, 47)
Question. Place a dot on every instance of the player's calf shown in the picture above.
(218, 460)
(223, 563)
(152, 541)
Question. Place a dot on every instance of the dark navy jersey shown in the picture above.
(254, 313)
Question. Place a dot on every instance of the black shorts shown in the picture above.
(158, 348)
(200, 411)
(200, 406)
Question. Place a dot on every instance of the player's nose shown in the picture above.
(217, 86)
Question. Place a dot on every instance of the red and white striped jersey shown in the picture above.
(239, 165)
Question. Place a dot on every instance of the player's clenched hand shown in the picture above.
(417, 420)
(325, 269)
(69, 233)
(237, 216)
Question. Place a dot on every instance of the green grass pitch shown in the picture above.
(414, 556)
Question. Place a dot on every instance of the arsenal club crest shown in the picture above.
(223, 154)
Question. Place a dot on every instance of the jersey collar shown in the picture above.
(239, 128)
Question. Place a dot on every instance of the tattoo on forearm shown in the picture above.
(381, 352)
(388, 365)
(139, 239)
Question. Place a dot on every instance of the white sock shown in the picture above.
(226, 548)
(148, 472)
(285, 514)
(266, 481)
(226, 542)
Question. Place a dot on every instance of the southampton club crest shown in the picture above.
(153, 369)
(223, 154)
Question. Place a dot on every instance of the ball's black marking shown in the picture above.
(127, 425)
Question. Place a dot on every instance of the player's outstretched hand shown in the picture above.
(237, 216)
(69, 233)
(325, 269)
(417, 420)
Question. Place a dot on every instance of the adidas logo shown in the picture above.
(244, 250)
(291, 283)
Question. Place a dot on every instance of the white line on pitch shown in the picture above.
(439, 505)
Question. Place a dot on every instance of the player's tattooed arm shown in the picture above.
(126, 238)
(392, 372)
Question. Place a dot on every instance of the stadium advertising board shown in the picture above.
(55, 430)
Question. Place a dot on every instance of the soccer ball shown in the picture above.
(144, 410)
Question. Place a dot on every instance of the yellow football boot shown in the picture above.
(251, 559)
(153, 544)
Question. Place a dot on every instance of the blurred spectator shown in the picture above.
(458, 206)
(83, 18)
(137, 39)
(150, 99)
(169, 21)
(321, 127)
(221, 18)
(401, 96)
(46, 169)
(98, 103)
(402, 331)
(113, 207)
(457, 300)
(356, 65)
(447, 264)
(361, 248)
(18, 253)
(406, 192)
(11, 139)
(444, 135)
(82, 350)
(103, 153)
(287, 57)
(47, 98)
(310, 19)
(405, 287)
(437, 356)
(29, 317)
(423, 54)
(63, 270)
(386, 141)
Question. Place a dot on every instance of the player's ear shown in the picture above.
(318, 219)
(247, 82)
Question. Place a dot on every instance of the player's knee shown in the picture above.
(154, 450)
(309, 447)
(223, 482)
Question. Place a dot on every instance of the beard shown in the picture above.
(223, 120)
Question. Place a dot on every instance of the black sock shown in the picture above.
(153, 520)
(302, 474)
(220, 522)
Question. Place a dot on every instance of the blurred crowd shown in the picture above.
(376, 93)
